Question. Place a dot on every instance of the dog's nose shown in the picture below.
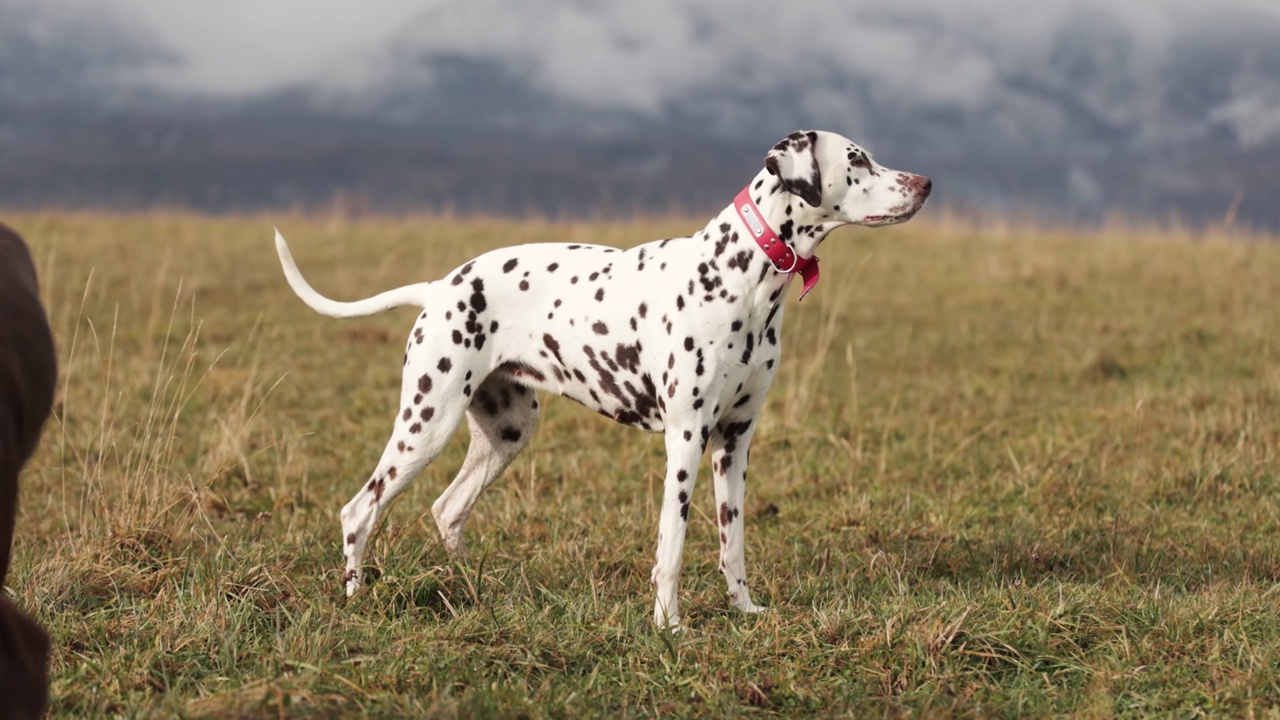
(924, 186)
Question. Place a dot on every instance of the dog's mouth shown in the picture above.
(879, 220)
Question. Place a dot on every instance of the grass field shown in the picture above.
(1002, 472)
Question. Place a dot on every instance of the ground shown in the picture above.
(1004, 471)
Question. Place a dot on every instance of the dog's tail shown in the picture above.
(409, 295)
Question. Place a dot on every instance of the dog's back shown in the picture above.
(28, 375)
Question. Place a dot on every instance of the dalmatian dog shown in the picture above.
(677, 336)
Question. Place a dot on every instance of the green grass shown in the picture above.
(1002, 472)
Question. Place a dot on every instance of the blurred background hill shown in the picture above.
(1071, 108)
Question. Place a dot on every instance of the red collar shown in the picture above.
(783, 256)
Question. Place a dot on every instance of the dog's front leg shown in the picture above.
(730, 443)
(684, 449)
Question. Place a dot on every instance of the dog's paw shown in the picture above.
(670, 625)
(744, 604)
(457, 550)
(351, 581)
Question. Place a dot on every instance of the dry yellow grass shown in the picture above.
(1003, 471)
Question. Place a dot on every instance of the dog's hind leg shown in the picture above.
(502, 418)
(427, 418)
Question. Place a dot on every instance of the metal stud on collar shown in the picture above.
(795, 260)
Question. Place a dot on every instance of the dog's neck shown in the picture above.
(809, 225)
(803, 227)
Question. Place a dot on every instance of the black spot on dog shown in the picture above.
(628, 357)
(787, 230)
(553, 346)
(477, 296)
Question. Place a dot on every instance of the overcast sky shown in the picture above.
(944, 55)
(634, 52)
(1084, 79)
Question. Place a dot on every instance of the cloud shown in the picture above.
(850, 60)
(638, 54)
(238, 47)
(1253, 117)
(1107, 62)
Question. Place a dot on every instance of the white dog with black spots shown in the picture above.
(678, 336)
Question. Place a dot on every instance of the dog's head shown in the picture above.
(838, 178)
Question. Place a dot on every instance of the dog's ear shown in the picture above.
(795, 163)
